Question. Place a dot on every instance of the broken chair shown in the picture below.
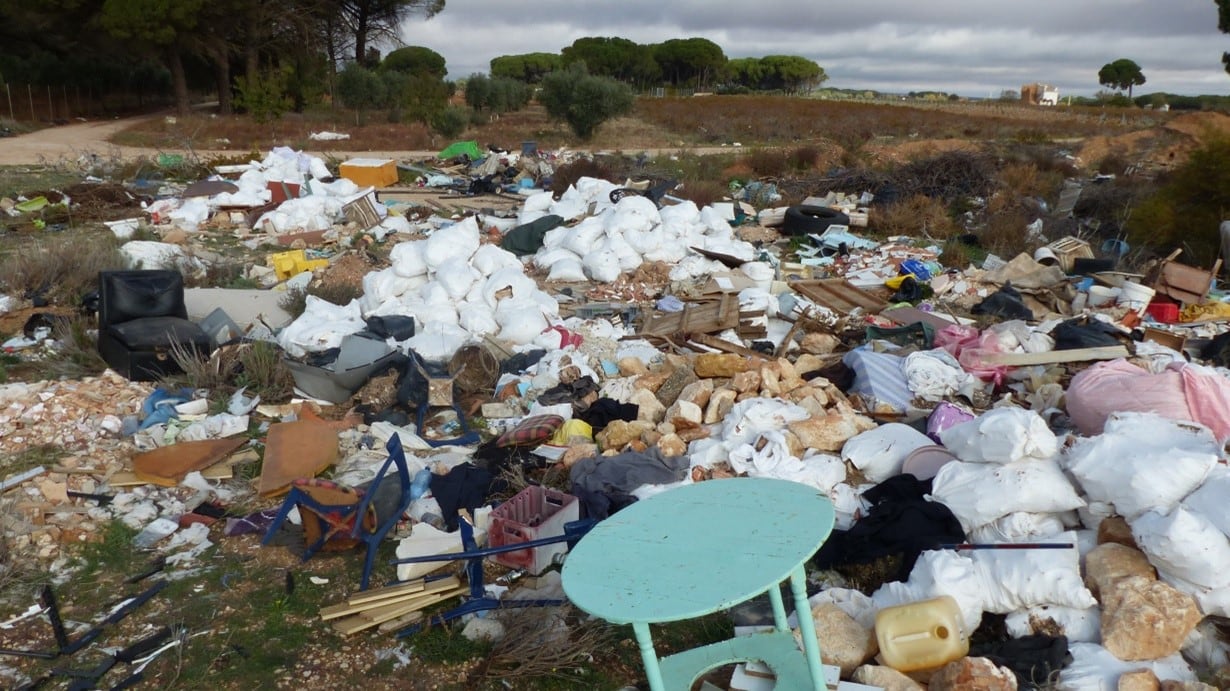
(337, 517)
(440, 394)
(143, 323)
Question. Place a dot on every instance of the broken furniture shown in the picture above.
(298, 449)
(143, 324)
(440, 395)
(358, 358)
(703, 548)
(478, 600)
(1180, 282)
(350, 516)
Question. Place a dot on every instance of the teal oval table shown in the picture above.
(703, 548)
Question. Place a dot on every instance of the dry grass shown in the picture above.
(60, 268)
(569, 173)
(295, 301)
(544, 642)
(256, 366)
(703, 193)
(76, 354)
(915, 215)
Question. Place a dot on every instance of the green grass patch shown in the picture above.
(444, 644)
(111, 554)
(44, 455)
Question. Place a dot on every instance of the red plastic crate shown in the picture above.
(534, 513)
(1164, 311)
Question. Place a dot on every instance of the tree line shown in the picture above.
(235, 46)
(696, 63)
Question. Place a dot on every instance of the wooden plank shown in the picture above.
(401, 622)
(1056, 357)
(416, 589)
(837, 294)
(910, 315)
(390, 591)
(724, 346)
(370, 618)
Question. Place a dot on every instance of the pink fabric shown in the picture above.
(1183, 392)
(956, 338)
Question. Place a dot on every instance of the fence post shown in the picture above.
(9, 92)
(30, 93)
(51, 104)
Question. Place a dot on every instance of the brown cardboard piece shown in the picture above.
(302, 448)
(168, 465)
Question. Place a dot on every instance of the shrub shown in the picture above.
(360, 89)
(61, 269)
(450, 121)
(1189, 207)
(582, 100)
(265, 97)
(915, 215)
(569, 173)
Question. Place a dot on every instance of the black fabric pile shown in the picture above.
(900, 522)
(1033, 659)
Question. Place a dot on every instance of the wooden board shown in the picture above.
(1055, 357)
(168, 465)
(374, 617)
(696, 317)
(302, 448)
(910, 315)
(837, 294)
(371, 599)
(726, 347)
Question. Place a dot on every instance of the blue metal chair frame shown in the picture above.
(354, 512)
(478, 600)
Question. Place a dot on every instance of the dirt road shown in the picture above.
(68, 143)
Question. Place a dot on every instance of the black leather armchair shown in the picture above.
(141, 317)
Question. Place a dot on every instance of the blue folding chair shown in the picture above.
(345, 517)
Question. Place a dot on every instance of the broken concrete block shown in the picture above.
(886, 678)
(1140, 680)
(1116, 529)
(652, 380)
(684, 414)
(973, 674)
(1144, 619)
(670, 389)
(746, 382)
(831, 431)
(819, 344)
(809, 363)
(649, 408)
(619, 433)
(630, 366)
(672, 445)
(847, 644)
(697, 392)
(710, 365)
(1110, 562)
(720, 403)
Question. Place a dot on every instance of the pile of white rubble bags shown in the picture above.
(1015, 481)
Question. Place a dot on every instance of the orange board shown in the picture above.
(168, 465)
(302, 448)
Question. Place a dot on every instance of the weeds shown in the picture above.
(544, 642)
(75, 353)
(569, 173)
(256, 366)
(44, 455)
(294, 302)
(703, 193)
(60, 269)
(916, 215)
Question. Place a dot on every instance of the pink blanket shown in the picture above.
(1182, 392)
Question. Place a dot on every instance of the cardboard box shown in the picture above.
(370, 172)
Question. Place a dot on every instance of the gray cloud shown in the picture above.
(971, 47)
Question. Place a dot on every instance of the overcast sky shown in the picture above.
(970, 47)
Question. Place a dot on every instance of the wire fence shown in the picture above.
(50, 103)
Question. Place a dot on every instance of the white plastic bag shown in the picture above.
(1002, 435)
(1079, 625)
(978, 493)
(407, 258)
(1018, 578)
(1186, 545)
(879, 452)
(937, 573)
(1094, 668)
(1143, 461)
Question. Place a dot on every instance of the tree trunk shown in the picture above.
(179, 80)
(222, 75)
(360, 39)
(251, 63)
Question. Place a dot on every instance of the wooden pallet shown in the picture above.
(838, 294)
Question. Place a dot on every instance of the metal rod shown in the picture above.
(1009, 545)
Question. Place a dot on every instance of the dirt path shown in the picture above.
(69, 142)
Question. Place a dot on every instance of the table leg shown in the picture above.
(779, 610)
(807, 627)
(649, 656)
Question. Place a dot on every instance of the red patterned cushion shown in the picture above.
(531, 430)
